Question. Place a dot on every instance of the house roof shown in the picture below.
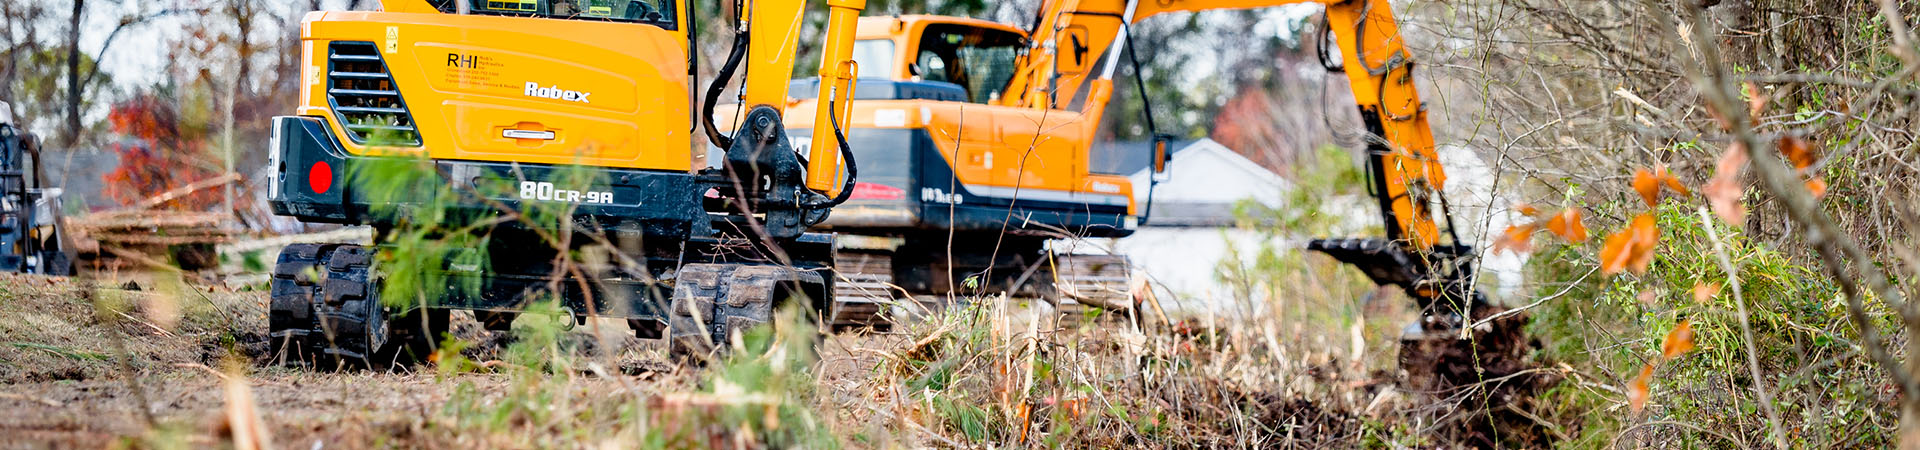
(1128, 157)
(1204, 181)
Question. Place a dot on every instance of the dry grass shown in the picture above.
(1002, 374)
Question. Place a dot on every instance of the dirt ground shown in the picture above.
(61, 385)
(65, 384)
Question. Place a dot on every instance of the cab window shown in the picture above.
(875, 57)
(662, 13)
(979, 60)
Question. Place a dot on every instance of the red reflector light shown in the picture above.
(871, 191)
(320, 177)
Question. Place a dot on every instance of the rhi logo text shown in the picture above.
(556, 93)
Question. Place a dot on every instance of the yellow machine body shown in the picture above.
(611, 93)
(585, 105)
(467, 79)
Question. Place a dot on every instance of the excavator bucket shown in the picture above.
(1385, 262)
(1438, 283)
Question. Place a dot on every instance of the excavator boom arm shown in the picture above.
(1071, 36)
(1407, 171)
(774, 26)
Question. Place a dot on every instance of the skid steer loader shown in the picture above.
(31, 229)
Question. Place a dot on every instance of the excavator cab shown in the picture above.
(645, 11)
(979, 60)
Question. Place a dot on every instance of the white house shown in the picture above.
(1203, 182)
(1190, 229)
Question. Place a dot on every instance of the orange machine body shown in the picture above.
(1000, 122)
(986, 156)
(1033, 130)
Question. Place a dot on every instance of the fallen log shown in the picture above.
(191, 188)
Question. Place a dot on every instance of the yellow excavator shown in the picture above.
(976, 137)
(510, 102)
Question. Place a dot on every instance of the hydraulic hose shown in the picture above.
(719, 84)
(846, 153)
(1146, 110)
(1326, 59)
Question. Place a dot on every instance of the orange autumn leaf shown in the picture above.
(1649, 182)
(1669, 180)
(1674, 184)
(1723, 192)
(1756, 100)
(1732, 160)
(1631, 248)
(1615, 253)
(1567, 225)
(1720, 119)
(1798, 151)
(1648, 298)
(1646, 237)
(1517, 239)
(1704, 291)
(1638, 390)
(1818, 187)
(1679, 341)
(1026, 420)
(1648, 186)
(1526, 209)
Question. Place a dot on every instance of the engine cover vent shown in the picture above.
(364, 97)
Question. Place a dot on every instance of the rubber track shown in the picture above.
(713, 302)
(290, 315)
(351, 318)
(325, 303)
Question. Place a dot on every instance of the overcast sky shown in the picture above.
(138, 56)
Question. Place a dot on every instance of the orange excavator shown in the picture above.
(975, 140)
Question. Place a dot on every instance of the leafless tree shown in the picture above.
(1573, 97)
